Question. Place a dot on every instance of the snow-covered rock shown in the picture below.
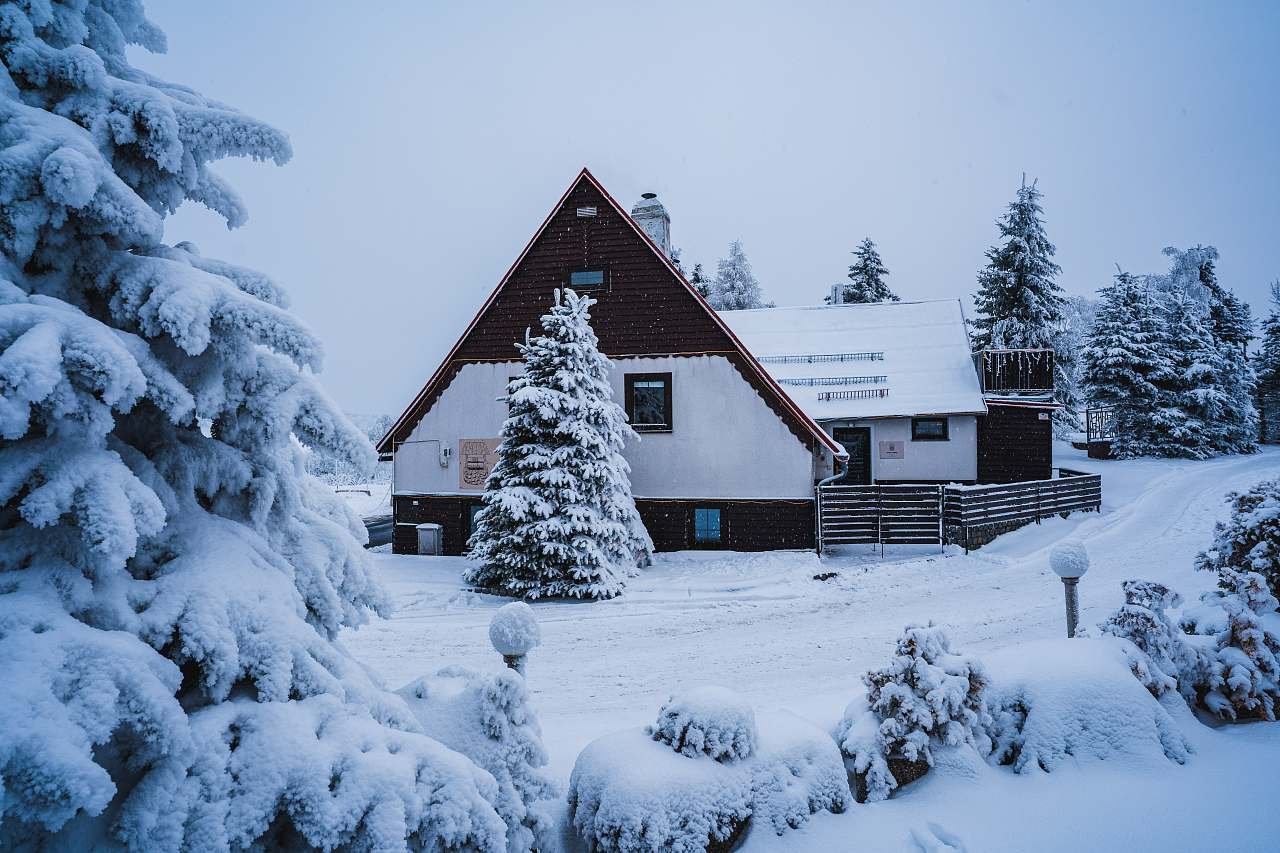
(1058, 700)
(629, 792)
(707, 720)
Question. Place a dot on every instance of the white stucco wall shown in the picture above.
(954, 459)
(726, 441)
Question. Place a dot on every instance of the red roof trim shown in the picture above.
(386, 444)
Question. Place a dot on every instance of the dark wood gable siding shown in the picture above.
(1014, 445)
(646, 309)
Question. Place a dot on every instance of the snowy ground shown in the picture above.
(369, 500)
(761, 624)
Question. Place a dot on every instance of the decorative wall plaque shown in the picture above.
(476, 458)
(892, 449)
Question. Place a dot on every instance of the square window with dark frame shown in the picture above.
(706, 526)
(587, 280)
(929, 429)
(648, 401)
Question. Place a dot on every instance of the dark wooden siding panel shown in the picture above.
(1014, 445)
(745, 525)
(452, 513)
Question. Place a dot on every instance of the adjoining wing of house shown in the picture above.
(740, 414)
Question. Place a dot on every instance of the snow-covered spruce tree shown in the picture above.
(1242, 619)
(1123, 359)
(558, 518)
(735, 286)
(1266, 365)
(1231, 325)
(1192, 402)
(1019, 303)
(1249, 541)
(867, 276)
(171, 582)
(927, 695)
(1168, 661)
(700, 282)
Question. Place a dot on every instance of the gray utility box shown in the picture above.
(430, 539)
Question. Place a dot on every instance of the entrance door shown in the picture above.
(857, 441)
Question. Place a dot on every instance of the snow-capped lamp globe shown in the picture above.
(1069, 561)
(514, 633)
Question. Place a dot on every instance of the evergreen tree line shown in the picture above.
(1168, 355)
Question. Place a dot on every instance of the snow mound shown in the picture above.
(629, 792)
(708, 720)
(1057, 699)
(488, 719)
(1069, 559)
(514, 629)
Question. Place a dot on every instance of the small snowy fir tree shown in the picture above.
(867, 276)
(735, 286)
(1019, 302)
(927, 695)
(1168, 661)
(700, 282)
(558, 518)
(1241, 618)
(1249, 540)
(1266, 365)
(172, 583)
(1122, 360)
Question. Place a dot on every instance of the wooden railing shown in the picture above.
(934, 514)
(1016, 371)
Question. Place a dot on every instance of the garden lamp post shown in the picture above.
(1069, 561)
(514, 633)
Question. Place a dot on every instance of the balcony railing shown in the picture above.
(1016, 371)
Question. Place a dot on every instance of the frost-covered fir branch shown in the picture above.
(171, 582)
(558, 517)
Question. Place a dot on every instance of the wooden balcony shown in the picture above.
(1015, 371)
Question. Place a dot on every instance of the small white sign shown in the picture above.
(892, 449)
(1044, 416)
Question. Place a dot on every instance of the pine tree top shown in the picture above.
(867, 276)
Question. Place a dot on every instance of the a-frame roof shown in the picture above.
(683, 312)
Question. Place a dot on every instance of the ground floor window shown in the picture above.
(472, 509)
(706, 526)
(929, 429)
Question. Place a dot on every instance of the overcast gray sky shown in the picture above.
(432, 138)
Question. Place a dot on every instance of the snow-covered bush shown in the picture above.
(1242, 621)
(558, 518)
(171, 583)
(1249, 541)
(488, 718)
(1053, 700)
(708, 720)
(1165, 659)
(635, 791)
(926, 695)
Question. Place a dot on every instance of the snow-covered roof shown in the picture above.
(889, 359)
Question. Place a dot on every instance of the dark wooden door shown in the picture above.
(856, 440)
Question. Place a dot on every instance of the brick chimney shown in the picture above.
(650, 215)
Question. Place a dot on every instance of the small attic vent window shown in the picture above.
(586, 212)
(587, 280)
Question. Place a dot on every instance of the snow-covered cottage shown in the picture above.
(740, 414)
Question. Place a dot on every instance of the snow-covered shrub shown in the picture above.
(171, 583)
(488, 718)
(927, 694)
(631, 791)
(1242, 621)
(708, 720)
(1249, 541)
(558, 518)
(1052, 700)
(1164, 659)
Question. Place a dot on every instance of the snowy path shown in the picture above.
(761, 623)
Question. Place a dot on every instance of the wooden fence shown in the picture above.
(932, 515)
